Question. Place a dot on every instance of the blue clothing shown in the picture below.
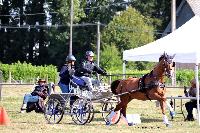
(39, 91)
(64, 87)
(30, 98)
(64, 75)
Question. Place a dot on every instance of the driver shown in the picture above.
(66, 72)
(87, 67)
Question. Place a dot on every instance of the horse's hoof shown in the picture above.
(108, 123)
(169, 125)
(130, 124)
(172, 114)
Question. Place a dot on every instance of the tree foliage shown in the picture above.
(110, 58)
(128, 30)
(49, 45)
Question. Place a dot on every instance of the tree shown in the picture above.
(158, 10)
(110, 58)
(128, 30)
(59, 37)
(38, 45)
(84, 38)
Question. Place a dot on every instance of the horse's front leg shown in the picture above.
(171, 109)
(163, 108)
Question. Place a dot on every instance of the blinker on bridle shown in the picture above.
(168, 61)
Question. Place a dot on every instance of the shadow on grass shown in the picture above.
(88, 124)
(145, 120)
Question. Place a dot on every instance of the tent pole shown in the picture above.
(124, 69)
(173, 28)
(197, 86)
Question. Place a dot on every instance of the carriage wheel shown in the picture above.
(91, 114)
(53, 111)
(80, 111)
(107, 107)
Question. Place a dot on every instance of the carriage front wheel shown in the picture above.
(80, 111)
(107, 107)
(53, 111)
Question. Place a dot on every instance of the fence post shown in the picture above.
(1, 81)
(47, 77)
(10, 77)
(110, 79)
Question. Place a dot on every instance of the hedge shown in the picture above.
(28, 72)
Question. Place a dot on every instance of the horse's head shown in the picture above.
(168, 64)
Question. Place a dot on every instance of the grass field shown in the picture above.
(150, 116)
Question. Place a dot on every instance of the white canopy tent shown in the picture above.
(183, 42)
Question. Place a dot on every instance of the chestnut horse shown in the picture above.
(149, 87)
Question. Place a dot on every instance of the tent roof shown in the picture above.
(184, 42)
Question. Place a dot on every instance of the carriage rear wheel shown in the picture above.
(107, 108)
(80, 111)
(53, 111)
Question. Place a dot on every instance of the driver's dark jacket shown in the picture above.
(86, 68)
(65, 75)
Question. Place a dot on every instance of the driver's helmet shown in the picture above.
(89, 53)
(70, 58)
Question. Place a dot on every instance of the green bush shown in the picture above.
(184, 76)
(28, 72)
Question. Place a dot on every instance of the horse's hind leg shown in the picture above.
(123, 110)
(113, 113)
(123, 106)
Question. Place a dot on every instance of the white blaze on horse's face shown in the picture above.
(169, 67)
(172, 65)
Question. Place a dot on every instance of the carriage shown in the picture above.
(81, 108)
(149, 87)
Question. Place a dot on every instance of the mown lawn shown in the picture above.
(150, 116)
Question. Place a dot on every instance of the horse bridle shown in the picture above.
(167, 69)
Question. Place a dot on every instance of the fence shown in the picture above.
(33, 80)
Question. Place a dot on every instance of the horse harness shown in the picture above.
(143, 87)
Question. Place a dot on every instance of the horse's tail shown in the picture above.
(114, 85)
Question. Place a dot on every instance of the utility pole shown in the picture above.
(98, 46)
(98, 43)
(173, 28)
(71, 26)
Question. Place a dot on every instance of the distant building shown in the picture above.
(185, 11)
